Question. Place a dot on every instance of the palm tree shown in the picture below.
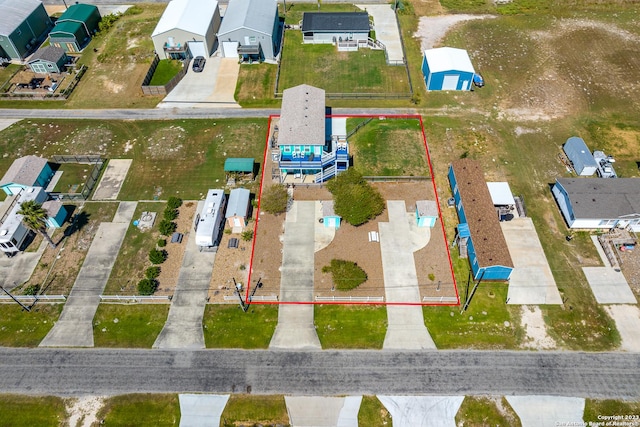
(34, 216)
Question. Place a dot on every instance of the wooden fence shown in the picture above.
(167, 88)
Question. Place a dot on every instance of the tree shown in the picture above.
(355, 200)
(274, 199)
(34, 216)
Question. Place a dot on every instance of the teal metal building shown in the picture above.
(24, 25)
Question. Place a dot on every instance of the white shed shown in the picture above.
(238, 209)
(187, 29)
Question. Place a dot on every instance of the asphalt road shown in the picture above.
(71, 372)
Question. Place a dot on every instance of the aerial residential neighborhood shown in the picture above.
(319, 213)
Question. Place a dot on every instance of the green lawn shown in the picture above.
(350, 326)
(183, 158)
(128, 326)
(141, 410)
(19, 328)
(133, 257)
(373, 413)
(73, 177)
(321, 65)
(477, 411)
(389, 147)
(594, 410)
(227, 326)
(244, 409)
(256, 84)
(7, 72)
(28, 411)
(165, 71)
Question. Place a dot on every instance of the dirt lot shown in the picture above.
(631, 269)
(26, 76)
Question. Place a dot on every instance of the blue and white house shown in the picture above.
(447, 68)
(426, 213)
(307, 149)
(25, 172)
(486, 246)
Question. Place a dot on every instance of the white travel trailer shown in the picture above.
(209, 222)
(12, 231)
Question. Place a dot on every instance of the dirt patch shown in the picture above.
(83, 411)
(99, 137)
(431, 29)
(536, 331)
(165, 143)
(631, 269)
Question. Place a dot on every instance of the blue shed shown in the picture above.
(426, 213)
(329, 216)
(487, 250)
(57, 212)
(447, 68)
(580, 157)
(27, 171)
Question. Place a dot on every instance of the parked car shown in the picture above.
(198, 64)
(478, 80)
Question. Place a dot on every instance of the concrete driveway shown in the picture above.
(112, 179)
(386, 27)
(296, 329)
(74, 328)
(18, 269)
(531, 281)
(548, 411)
(183, 328)
(213, 87)
(201, 410)
(609, 286)
(422, 411)
(399, 238)
(319, 411)
(627, 318)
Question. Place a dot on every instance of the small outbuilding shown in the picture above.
(503, 200)
(187, 29)
(329, 217)
(57, 213)
(426, 213)
(24, 24)
(239, 167)
(49, 59)
(251, 29)
(335, 27)
(27, 171)
(447, 68)
(580, 157)
(75, 28)
(238, 208)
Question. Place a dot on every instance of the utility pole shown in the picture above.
(238, 287)
(24, 307)
(473, 291)
(255, 288)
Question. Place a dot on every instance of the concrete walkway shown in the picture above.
(315, 411)
(531, 281)
(201, 410)
(183, 328)
(296, 329)
(609, 286)
(74, 328)
(112, 179)
(422, 411)
(627, 318)
(399, 239)
(386, 27)
(548, 411)
(18, 269)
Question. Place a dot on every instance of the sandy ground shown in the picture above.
(536, 330)
(84, 410)
(431, 29)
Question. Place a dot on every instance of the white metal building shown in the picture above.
(238, 208)
(251, 28)
(186, 29)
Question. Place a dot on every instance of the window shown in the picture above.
(608, 222)
(307, 149)
(287, 149)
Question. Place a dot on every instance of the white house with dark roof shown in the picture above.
(27, 171)
(187, 29)
(335, 27)
(251, 29)
(597, 203)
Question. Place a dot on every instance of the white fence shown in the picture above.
(264, 298)
(440, 299)
(350, 299)
(31, 298)
(136, 299)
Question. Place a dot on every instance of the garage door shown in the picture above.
(197, 49)
(450, 83)
(230, 49)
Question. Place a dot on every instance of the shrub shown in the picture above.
(275, 199)
(174, 202)
(32, 289)
(346, 275)
(152, 272)
(356, 201)
(162, 243)
(157, 256)
(170, 214)
(247, 235)
(166, 227)
(147, 286)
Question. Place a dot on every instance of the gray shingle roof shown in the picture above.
(48, 53)
(24, 171)
(593, 198)
(302, 116)
(13, 12)
(335, 21)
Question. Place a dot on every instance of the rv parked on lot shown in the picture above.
(209, 222)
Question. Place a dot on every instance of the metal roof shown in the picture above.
(14, 12)
(68, 27)
(482, 218)
(78, 12)
(257, 15)
(595, 198)
(501, 194)
(580, 156)
(335, 21)
(427, 208)
(48, 53)
(24, 171)
(448, 59)
(238, 164)
(238, 204)
(193, 16)
(302, 116)
(14, 219)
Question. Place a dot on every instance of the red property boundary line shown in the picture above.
(435, 190)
